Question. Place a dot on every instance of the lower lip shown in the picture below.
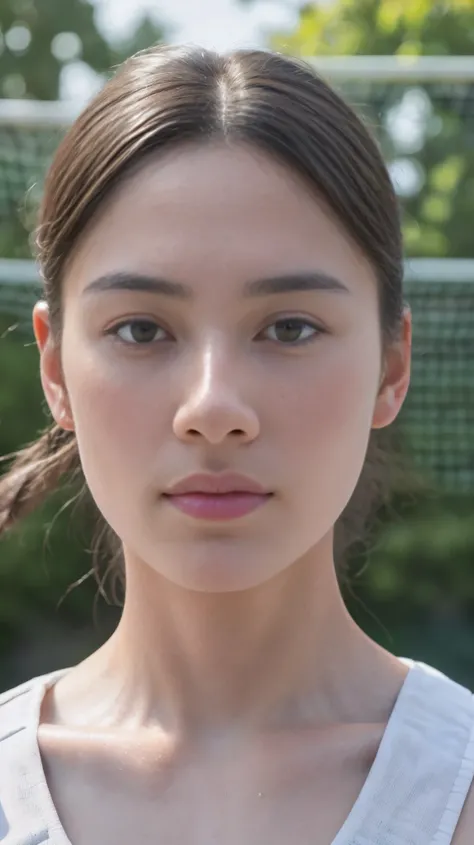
(217, 506)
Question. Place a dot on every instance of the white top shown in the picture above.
(413, 795)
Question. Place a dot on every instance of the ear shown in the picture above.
(395, 378)
(50, 368)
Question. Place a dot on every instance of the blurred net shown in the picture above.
(438, 416)
(424, 119)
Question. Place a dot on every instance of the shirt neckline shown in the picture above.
(345, 835)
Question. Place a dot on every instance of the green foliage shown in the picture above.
(437, 219)
(31, 66)
(419, 578)
(415, 593)
(48, 553)
(382, 27)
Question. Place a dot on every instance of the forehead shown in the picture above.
(216, 209)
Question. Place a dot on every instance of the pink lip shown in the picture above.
(217, 497)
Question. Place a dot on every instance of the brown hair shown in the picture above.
(166, 96)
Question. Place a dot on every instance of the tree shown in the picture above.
(422, 562)
(440, 156)
(37, 40)
(40, 39)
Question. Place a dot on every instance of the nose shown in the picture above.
(214, 408)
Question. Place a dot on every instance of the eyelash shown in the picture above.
(317, 330)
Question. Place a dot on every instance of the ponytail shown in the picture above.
(35, 474)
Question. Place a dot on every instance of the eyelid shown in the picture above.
(319, 329)
(299, 318)
(115, 328)
(292, 315)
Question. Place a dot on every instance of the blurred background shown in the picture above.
(407, 67)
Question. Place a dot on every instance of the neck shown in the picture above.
(196, 662)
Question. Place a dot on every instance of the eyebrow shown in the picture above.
(122, 280)
(312, 280)
(286, 283)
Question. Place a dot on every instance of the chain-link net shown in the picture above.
(438, 415)
(25, 153)
(426, 131)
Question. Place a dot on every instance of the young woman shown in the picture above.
(222, 335)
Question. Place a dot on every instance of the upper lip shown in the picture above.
(229, 482)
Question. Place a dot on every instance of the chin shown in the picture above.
(218, 569)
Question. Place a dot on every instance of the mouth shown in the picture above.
(217, 497)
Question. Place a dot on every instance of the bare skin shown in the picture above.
(237, 701)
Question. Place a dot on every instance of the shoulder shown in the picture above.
(464, 833)
(457, 726)
(13, 707)
(21, 703)
(16, 714)
(440, 724)
(19, 804)
(464, 830)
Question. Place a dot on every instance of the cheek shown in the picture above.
(327, 416)
(120, 418)
(331, 399)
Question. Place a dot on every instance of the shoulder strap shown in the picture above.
(426, 765)
(21, 817)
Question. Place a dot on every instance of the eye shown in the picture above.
(291, 331)
(139, 332)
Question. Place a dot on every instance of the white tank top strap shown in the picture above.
(424, 768)
(413, 795)
(23, 790)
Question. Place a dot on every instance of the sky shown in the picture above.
(219, 24)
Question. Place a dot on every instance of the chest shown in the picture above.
(255, 798)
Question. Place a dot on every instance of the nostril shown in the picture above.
(235, 432)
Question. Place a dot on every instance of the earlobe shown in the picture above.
(396, 378)
(64, 419)
(52, 378)
(391, 398)
(386, 408)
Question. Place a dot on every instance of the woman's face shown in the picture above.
(217, 319)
